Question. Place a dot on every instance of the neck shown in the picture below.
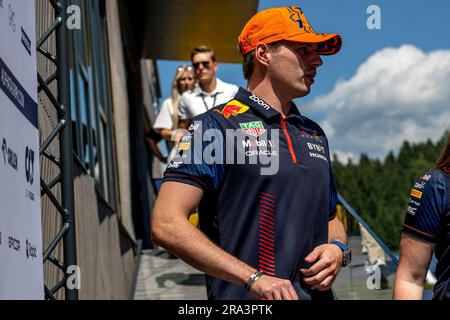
(266, 91)
(210, 86)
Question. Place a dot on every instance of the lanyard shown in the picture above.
(214, 101)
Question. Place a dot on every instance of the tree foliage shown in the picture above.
(379, 190)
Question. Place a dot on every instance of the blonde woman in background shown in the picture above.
(166, 122)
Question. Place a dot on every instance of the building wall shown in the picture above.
(105, 248)
(143, 95)
(121, 114)
(105, 254)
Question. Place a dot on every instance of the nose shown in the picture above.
(199, 70)
(316, 61)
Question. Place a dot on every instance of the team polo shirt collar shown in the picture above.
(263, 108)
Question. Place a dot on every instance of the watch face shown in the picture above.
(347, 257)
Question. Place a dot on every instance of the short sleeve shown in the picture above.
(229, 93)
(164, 118)
(426, 207)
(183, 111)
(199, 160)
(234, 90)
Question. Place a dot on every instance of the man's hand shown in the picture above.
(271, 288)
(326, 263)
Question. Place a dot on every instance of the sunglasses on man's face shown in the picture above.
(205, 64)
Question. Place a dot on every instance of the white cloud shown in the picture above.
(397, 94)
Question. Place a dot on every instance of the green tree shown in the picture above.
(379, 190)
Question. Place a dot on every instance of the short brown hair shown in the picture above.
(444, 160)
(248, 64)
(202, 49)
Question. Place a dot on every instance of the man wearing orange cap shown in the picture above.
(269, 236)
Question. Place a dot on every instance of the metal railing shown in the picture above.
(371, 274)
(369, 230)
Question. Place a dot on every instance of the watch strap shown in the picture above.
(340, 245)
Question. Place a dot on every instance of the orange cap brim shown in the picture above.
(328, 44)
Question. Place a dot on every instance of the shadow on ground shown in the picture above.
(180, 279)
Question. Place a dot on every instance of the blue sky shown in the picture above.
(417, 31)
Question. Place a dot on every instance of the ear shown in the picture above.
(215, 66)
(262, 54)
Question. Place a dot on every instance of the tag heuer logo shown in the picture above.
(255, 128)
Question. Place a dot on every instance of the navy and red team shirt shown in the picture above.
(428, 219)
(272, 221)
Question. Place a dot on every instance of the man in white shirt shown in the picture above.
(210, 90)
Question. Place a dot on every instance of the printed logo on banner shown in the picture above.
(12, 87)
(26, 41)
(9, 156)
(17, 94)
(14, 244)
(29, 171)
(31, 250)
(29, 165)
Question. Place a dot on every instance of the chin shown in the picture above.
(304, 91)
(303, 94)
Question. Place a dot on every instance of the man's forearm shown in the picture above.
(191, 245)
(172, 230)
(336, 231)
(407, 290)
(167, 134)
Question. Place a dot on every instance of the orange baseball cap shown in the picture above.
(285, 23)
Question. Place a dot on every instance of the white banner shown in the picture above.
(21, 269)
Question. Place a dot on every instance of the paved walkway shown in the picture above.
(353, 283)
(165, 277)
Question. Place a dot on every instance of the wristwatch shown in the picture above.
(346, 252)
